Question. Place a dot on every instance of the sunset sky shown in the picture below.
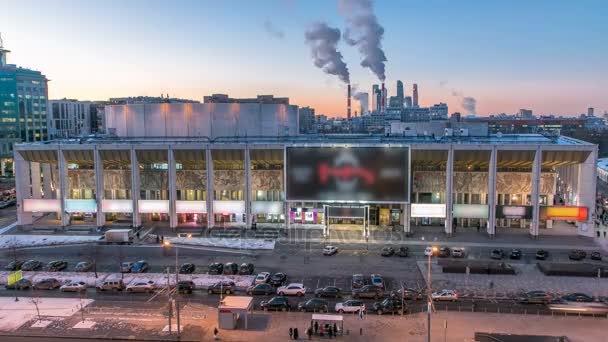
(547, 55)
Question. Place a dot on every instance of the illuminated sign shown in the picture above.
(513, 212)
(233, 207)
(153, 206)
(564, 213)
(80, 206)
(346, 212)
(470, 211)
(266, 207)
(117, 206)
(32, 205)
(428, 210)
(190, 207)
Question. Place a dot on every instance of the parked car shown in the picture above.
(535, 297)
(497, 254)
(141, 286)
(330, 250)
(47, 284)
(84, 266)
(260, 289)
(13, 265)
(56, 266)
(403, 252)
(358, 281)
(387, 251)
(314, 305)
(406, 294)
(515, 254)
(126, 267)
(222, 287)
(430, 251)
(111, 285)
(31, 265)
(216, 268)
(445, 295)
(276, 303)
(185, 286)
(350, 306)
(578, 297)
(140, 267)
(74, 286)
(278, 279)
(231, 268)
(596, 256)
(293, 289)
(444, 252)
(23, 284)
(329, 291)
(389, 306)
(262, 278)
(187, 268)
(577, 254)
(368, 291)
(542, 254)
(377, 280)
(458, 252)
(246, 269)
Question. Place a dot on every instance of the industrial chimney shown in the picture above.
(383, 97)
(348, 102)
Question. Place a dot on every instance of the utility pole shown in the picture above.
(176, 296)
(429, 296)
(169, 299)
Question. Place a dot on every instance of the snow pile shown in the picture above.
(7, 241)
(15, 314)
(225, 242)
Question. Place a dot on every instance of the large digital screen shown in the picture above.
(347, 174)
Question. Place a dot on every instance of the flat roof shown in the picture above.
(602, 163)
(321, 317)
(236, 302)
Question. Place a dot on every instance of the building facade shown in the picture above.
(72, 118)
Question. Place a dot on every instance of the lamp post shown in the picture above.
(428, 294)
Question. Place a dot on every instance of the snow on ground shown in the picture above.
(15, 314)
(7, 241)
(225, 242)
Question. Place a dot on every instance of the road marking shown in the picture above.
(7, 228)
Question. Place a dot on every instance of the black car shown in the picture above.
(535, 297)
(329, 291)
(542, 254)
(314, 305)
(22, 284)
(260, 289)
(276, 303)
(577, 254)
(406, 294)
(187, 268)
(388, 306)
(185, 286)
(444, 252)
(358, 281)
(246, 269)
(47, 284)
(596, 256)
(56, 266)
(578, 297)
(223, 287)
(497, 254)
(403, 251)
(216, 268)
(278, 279)
(231, 268)
(387, 251)
(368, 291)
(13, 265)
(515, 254)
(31, 265)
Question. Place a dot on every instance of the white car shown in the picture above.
(377, 280)
(443, 295)
(350, 306)
(458, 252)
(262, 278)
(293, 289)
(330, 250)
(141, 286)
(428, 251)
(74, 286)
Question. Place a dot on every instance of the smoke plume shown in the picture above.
(469, 104)
(323, 41)
(364, 32)
(272, 30)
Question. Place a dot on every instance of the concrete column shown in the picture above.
(587, 182)
(491, 228)
(172, 189)
(22, 187)
(248, 214)
(209, 161)
(63, 186)
(99, 186)
(405, 218)
(36, 181)
(135, 188)
(2, 167)
(449, 188)
(536, 169)
(47, 180)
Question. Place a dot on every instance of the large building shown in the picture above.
(500, 182)
(72, 118)
(400, 95)
(306, 117)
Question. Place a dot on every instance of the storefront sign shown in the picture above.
(513, 212)
(190, 207)
(231, 207)
(32, 205)
(153, 206)
(309, 216)
(428, 210)
(470, 211)
(346, 212)
(266, 207)
(80, 206)
(117, 206)
(564, 213)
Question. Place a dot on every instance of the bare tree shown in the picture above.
(121, 260)
(13, 249)
(35, 301)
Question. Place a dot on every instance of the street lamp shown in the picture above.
(428, 294)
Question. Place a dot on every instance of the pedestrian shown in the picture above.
(316, 327)
(215, 333)
(157, 239)
(330, 332)
(138, 235)
(335, 330)
(290, 333)
(295, 333)
(321, 331)
(309, 333)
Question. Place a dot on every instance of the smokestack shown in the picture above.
(348, 102)
(382, 104)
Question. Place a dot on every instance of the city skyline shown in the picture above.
(544, 56)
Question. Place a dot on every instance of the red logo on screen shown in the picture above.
(345, 173)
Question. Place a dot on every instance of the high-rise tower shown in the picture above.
(400, 95)
(415, 95)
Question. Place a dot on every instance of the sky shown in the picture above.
(550, 56)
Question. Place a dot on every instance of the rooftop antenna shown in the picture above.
(1, 42)
(3, 52)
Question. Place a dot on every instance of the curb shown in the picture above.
(101, 337)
